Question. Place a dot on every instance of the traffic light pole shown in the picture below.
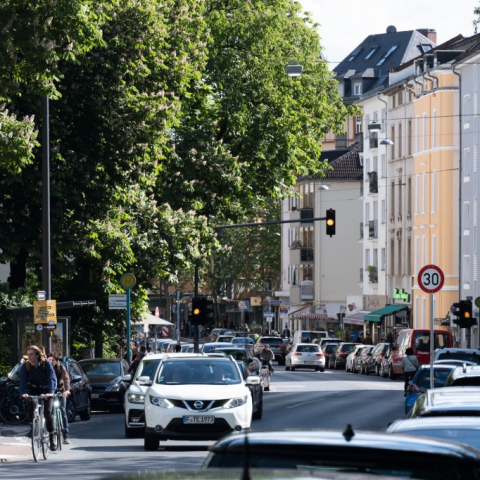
(195, 331)
(432, 346)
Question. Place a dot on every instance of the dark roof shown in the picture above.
(346, 165)
(377, 54)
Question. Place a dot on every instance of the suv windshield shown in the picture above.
(147, 368)
(208, 371)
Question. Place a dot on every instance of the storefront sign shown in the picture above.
(400, 294)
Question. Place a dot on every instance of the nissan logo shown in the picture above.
(198, 405)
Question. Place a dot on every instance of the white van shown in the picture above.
(308, 336)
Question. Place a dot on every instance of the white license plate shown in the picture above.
(95, 395)
(309, 363)
(198, 419)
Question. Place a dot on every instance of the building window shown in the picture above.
(425, 131)
(409, 138)
(387, 54)
(392, 147)
(434, 129)
(399, 253)
(382, 265)
(466, 167)
(400, 199)
(409, 195)
(466, 218)
(434, 191)
(399, 140)
(424, 250)
(409, 257)
(424, 311)
(392, 198)
(400, 98)
(375, 258)
(417, 194)
(371, 52)
(375, 164)
(367, 258)
(358, 88)
(358, 124)
(417, 134)
(434, 249)
(352, 56)
(392, 257)
(384, 211)
(424, 193)
(365, 127)
(367, 213)
(417, 247)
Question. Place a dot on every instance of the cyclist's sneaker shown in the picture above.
(66, 441)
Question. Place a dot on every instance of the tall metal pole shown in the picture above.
(46, 265)
(195, 331)
(128, 326)
(432, 346)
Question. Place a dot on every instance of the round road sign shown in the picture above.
(241, 305)
(430, 279)
(128, 281)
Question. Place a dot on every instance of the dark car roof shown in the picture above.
(331, 438)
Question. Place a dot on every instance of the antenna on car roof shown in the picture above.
(246, 460)
(348, 433)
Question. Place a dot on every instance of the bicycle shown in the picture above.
(13, 407)
(40, 436)
(57, 419)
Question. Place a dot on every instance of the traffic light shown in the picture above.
(330, 222)
(464, 314)
(209, 315)
(198, 311)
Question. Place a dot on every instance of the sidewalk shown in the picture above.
(14, 445)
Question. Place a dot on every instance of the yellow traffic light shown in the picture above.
(330, 222)
(466, 315)
(196, 311)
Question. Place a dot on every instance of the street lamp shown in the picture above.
(294, 70)
(386, 141)
(322, 186)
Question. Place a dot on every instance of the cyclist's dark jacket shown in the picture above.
(40, 378)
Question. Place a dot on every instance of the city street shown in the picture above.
(300, 399)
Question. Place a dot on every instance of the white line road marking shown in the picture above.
(315, 401)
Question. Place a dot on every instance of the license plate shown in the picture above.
(95, 395)
(310, 363)
(198, 419)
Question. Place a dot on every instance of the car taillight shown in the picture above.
(260, 345)
(413, 388)
(319, 354)
(297, 354)
(282, 345)
(354, 355)
(341, 353)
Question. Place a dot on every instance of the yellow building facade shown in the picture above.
(436, 190)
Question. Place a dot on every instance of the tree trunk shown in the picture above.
(18, 270)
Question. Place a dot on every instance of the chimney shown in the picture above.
(430, 33)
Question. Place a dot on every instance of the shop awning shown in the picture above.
(356, 318)
(377, 315)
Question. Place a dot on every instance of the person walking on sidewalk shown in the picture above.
(38, 373)
(63, 387)
(409, 366)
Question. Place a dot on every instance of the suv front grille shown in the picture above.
(181, 404)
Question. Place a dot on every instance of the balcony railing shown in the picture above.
(373, 179)
(361, 230)
(306, 254)
(306, 213)
(373, 229)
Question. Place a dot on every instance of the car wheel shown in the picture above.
(391, 375)
(287, 368)
(322, 369)
(267, 389)
(151, 444)
(87, 413)
(71, 410)
(377, 370)
(384, 374)
(354, 369)
(335, 366)
(292, 369)
(257, 415)
(367, 371)
(317, 369)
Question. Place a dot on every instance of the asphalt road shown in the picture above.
(300, 399)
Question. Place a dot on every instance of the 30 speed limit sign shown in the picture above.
(430, 279)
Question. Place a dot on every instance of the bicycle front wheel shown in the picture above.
(36, 438)
(58, 428)
(13, 409)
(45, 444)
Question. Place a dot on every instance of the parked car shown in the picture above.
(277, 346)
(419, 341)
(305, 355)
(255, 389)
(338, 357)
(135, 394)
(469, 355)
(242, 341)
(358, 363)
(308, 336)
(185, 390)
(447, 402)
(241, 334)
(224, 339)
(105, 376)
(187, 348)
(386, 361)
(327, 350)
(459, 429)
(357, 350)
(372, 363)
(365, 453)
(212, 336)
(421, 382)
(324, 341)
(464, 376)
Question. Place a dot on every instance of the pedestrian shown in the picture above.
(456, 345)
(138, 358)
(286, 332)
(409, 366)
(368, 339)
(63, 387)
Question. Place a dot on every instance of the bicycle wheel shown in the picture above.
(13, 409)
(58, 428)
(36, 438)
(45, 443)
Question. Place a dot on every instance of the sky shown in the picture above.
(346, 23)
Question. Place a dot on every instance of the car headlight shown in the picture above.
(136, 398)
(113, 388)
(161, 402)
(236, 402)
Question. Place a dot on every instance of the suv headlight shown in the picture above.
(136, 398)
(113, 388)
(236, 402)
(161, 402)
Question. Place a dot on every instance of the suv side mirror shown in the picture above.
(144, 380)
(253, 380)
(127, 378)
(76, 378)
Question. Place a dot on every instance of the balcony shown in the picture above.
(306, 290)
(361, 230)
(373, 179)
(373, 229)
(306, 213)
(306, 254)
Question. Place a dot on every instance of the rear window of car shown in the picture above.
(346, 347)
(308, 348)
(329, 348)
(467, 356)
(440, 377)
(271, 341)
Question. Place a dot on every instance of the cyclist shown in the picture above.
(63, 387)
(36, 378)
(266, 355)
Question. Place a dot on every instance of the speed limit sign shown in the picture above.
(430, 279)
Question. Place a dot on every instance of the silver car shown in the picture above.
(305, 355)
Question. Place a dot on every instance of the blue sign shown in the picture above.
(269, 314)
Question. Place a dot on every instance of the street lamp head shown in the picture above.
(294, 70)
(386, 141)
(322, 186)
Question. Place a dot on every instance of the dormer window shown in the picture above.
(425, 47)
(371, 52)
(353, 55)
(357, 89)
(389, 52)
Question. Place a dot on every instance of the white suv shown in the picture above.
(196, 397)
(135, 394)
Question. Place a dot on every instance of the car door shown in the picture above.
(77, 381)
